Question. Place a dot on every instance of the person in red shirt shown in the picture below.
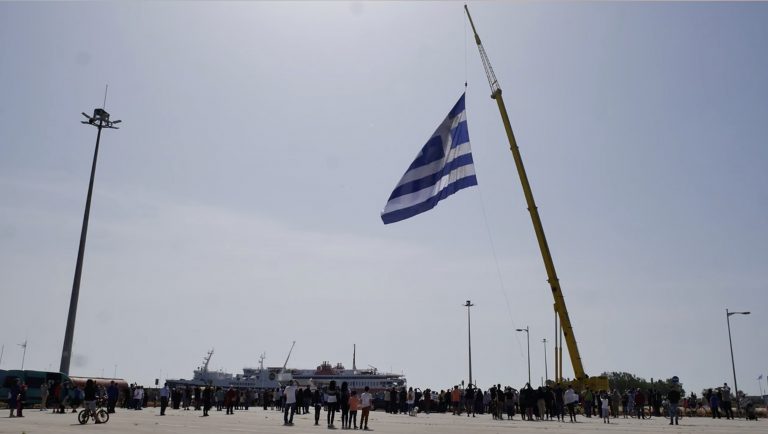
(354, 403)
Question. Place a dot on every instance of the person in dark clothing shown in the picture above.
(89, 396)
(392, 401)
(674, 399)
(332, 401)
(344, 405)
(317, 402)
(558, 392)
(13, 398)
(207, 399)
(229, 400)
(112, 393)
(22, 400)
(469, 400)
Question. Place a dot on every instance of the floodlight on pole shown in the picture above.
(733, 363)
(528, 338)
(100, 120)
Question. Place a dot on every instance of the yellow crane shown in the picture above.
(582, 380)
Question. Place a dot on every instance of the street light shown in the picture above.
(100, 119)
(528, 337)
(733, 364)
(469, 337)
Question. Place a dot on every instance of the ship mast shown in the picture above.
(206, 360)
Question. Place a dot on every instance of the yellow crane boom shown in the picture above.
(582, 379)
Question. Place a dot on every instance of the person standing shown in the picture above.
(469, 400)
(455, 400)
(332, 402)
(354, 403)
(317, 402)
(726, 402)
(714, 405)
(112, 393)
(164, 394)
(44, 396)
(366, 401)
(674, 399)
(605, 407)
(640, 404)
(290, 402)
(13, 397)
(207, 400)
(571, 398)
(344, 405)
(229, 400)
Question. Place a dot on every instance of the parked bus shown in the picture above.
(33, 380)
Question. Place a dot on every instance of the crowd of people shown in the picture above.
(550, 402)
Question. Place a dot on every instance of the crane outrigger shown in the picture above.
(582, 380)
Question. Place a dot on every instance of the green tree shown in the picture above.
(624, 381)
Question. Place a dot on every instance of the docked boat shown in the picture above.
(262, 378)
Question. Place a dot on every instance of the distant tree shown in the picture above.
(624, 381)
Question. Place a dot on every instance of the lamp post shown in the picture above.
(528, 338)
(733, 364)
(546, 375)
(100, 119)
(469, 339)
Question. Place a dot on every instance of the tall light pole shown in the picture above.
(733, 364)
(469, 336)
(546, 375)
(100, 119)
(528, 337)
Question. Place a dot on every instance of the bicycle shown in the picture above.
(100, 415)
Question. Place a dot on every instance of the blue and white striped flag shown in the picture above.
(443, 166)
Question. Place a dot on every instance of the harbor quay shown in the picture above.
(257, 420)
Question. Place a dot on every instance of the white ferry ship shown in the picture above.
(272, 377)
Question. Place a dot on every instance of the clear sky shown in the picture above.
(238, 206)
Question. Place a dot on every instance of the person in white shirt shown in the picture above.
(366, 404)
(571, 399)
(290, 402)
(164, 394)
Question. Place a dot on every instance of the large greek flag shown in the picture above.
(442, 167)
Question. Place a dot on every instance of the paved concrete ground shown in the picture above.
(270, 422)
